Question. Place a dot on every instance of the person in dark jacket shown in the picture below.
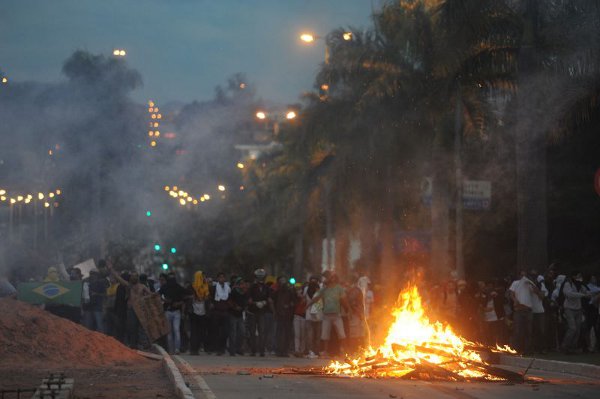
(173, 296)
(259, 299)
(284, 301)
(238, 302)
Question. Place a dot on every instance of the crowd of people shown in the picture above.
(229, 314)
(534, 313)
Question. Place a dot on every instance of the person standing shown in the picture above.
(198, 317)
(239, 301)
(134, 292)
(221, 313)
(538, 314)
(173, 296)
(283, 303)
(258, 302)
(522, 292)
(334, 298)
(574, 291)
(299, 322)
(97, 291)
(314, 317)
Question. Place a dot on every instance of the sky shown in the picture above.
(183, 48)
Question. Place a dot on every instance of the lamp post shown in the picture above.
(276, 118)
(310, 38)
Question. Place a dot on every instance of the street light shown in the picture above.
(119, 52)
(261, 115)
(290, 115)
(240, 165)
(4, 80)
(308, 37)
(221, 187)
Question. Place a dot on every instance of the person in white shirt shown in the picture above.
(221, 314)
(522, 293)
(539, 316)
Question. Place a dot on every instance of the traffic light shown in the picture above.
(148, 213)
(157, 247)
(165, 266)
(292, 281)
(173, 250)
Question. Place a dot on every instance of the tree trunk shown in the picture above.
(440, 213)
(329, 262)
(298, 271)
(459, 261)
(533, 120)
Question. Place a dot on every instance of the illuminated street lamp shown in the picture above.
(261, 115)
(221, 187)
(119, 52)
(4, 80)
(240, 165)
(290, 115)
(308, 37)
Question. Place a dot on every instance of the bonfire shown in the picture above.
(416, 348)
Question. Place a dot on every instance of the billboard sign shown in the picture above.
(477, 194)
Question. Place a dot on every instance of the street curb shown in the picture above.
(181, 389)
(581, 369)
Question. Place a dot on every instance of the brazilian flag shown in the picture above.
(51, 292)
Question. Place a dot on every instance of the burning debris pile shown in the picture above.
(415, 348)
(31, 336)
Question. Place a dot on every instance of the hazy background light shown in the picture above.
(268, 53)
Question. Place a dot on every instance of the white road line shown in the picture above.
(208, 394)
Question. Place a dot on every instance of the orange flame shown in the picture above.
(414, 344)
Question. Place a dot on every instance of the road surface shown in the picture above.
(226, 377)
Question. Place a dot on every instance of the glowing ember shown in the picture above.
(417, 348)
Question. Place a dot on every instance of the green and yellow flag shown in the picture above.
(58, 292)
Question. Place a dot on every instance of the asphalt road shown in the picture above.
(226, 377)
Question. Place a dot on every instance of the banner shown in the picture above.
(151, 315)
(55, 292)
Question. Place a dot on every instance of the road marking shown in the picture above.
(208, 394)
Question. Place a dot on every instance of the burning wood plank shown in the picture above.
(417, 348)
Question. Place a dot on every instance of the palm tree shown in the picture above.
(434, 66)
(559, 68)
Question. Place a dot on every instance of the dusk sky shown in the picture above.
(183, 48)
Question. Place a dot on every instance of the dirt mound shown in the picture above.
(29, 335)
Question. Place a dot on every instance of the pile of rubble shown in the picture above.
(30, 336)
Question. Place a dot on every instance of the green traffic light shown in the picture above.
(165, 266)
(173, 250)
(156, 247)
(148, 213)
(292, 281)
